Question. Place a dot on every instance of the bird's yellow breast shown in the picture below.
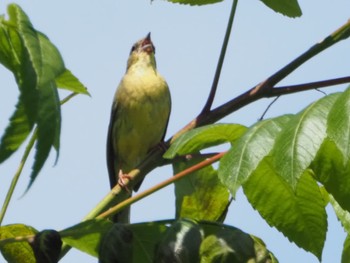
(143, 107)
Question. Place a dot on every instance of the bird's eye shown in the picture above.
(154, 49)
(133, 48)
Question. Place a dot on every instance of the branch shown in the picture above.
(284, 90)
(214, 86)
(161, 185)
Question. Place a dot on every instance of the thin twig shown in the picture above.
(267, 108)
(161, 185)
(310, 85)
(214, 85)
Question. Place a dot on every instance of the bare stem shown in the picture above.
(214, 86)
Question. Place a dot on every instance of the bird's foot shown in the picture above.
(121, 180)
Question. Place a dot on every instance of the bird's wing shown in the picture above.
(111, 155)
(167, 121)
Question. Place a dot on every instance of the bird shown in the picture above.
(139, 116)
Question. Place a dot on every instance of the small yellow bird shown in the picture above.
(140, 114)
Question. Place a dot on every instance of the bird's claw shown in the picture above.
(121, 180)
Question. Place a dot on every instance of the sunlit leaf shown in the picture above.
(300, 139)
(87, 235)
(68, 81)
(338, 129)
(204, 137)
(247, 152)
(343, 215)
(300, 215)
(17, 251)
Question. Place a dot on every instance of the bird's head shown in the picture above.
(144, 45)
(143, 51)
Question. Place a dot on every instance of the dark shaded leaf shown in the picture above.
(289, 8)
(146, 237)
(194, 2)
(15, 134)
(180, 244)
(116, 245)
(47, 246)
(345, 257)
(200, 196)
(49, 127)
(330, 170)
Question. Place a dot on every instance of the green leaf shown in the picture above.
(49, 127)
(225, 247)
(247, 152)
(47, 246)
(44, 56)
(16, 132)
(300, 215)
(68, 81)
(116, 245)
(330, 170)
(298, 143)
(37, 66)
(10, 46)
(345, 257)
(200, 196)
(338, 129)
(195, 2)
(225, 243)
(17, 251)
(18, 58)
(289, 8)
(146, 237)
(204, 137)
(87, 235)
(261, 253)
(180, 243)
(343, 215)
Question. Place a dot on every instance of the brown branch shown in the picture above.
(284, 90)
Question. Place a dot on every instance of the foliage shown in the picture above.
(290, 167)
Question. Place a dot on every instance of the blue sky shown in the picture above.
(94, 39)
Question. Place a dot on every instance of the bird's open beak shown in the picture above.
(147, 44)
